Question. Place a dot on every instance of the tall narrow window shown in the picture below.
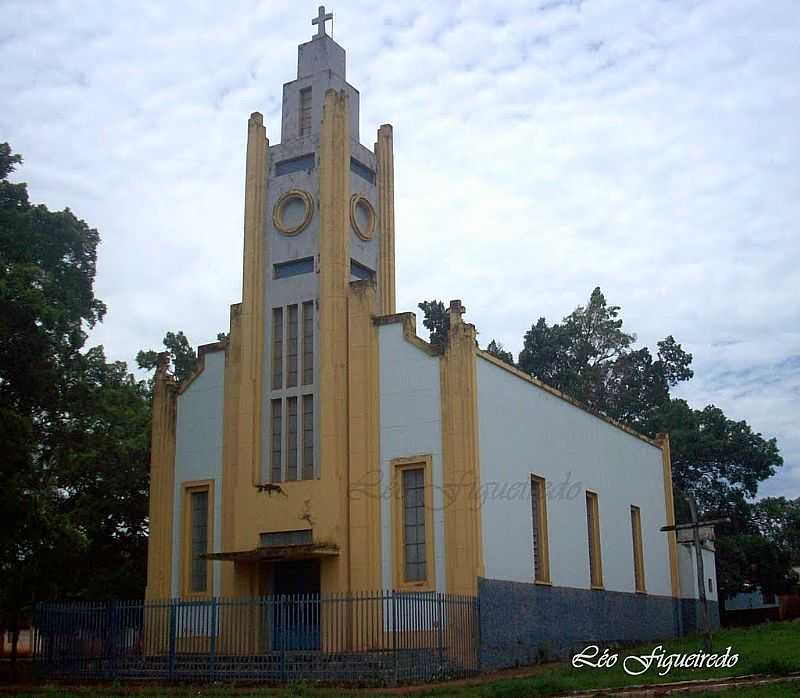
(638, 553)
(541, 553)
(593, 523)
(305, 111)
(276, 420)
(291, 438)
(308, 343)
(413, 567)
(291, 347)
(308, 437)
(196, 507)
(414, 557)
(277, 348)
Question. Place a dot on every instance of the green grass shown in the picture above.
(766, 649)
(774, 691)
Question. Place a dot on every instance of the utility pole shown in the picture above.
(695, 526)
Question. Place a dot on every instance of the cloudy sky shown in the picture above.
(541, 149)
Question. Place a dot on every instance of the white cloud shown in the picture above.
(650, 148)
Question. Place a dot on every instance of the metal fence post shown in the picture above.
(394, 634)
(284, 632)
(440, 633)
(173, 631)
(109, 642)
(212, 633)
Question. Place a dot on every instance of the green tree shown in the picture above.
(778, 520)
(183, 355)
(436, 320)
(47, 269)
(748, 561)
(720, 460)
(497, 349)
(101, 464)
(590, 357)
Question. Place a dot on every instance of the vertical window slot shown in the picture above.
(305, 111)
(308, 343)
(308, 437)
(199, 541)
(593, 525)
(277, 428)
(291, 347)
(541, 553)
(638, 552)
(277, 348)
(414, 556)
(291, 438)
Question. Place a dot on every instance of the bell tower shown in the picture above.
(318, 266)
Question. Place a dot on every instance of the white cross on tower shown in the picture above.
(320, 20)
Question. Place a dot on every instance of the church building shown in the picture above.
(323, 447)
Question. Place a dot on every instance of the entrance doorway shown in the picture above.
(296, 577)
(296, 621)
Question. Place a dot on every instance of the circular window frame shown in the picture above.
(355, 200)
(277, 211)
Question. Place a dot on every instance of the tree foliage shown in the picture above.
(73, 477)
(721, 461)
(498, 350)
(436, 320)
(182, 355)
(590, 356)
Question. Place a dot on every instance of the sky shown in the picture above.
(542, 148)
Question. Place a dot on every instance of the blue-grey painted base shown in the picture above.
(527, 623)
(692, 616)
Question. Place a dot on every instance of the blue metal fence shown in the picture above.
(377, 638)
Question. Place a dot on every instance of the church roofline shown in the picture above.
(200, 366)
(563, 396)
(409, 322)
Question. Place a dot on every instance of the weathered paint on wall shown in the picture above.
(524, 430)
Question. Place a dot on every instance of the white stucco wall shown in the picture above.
(411, 425)
(687, 571)
(198, 453)
(524, 430)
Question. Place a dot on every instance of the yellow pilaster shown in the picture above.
(230, 444)
(162, 483)
(460, 457)
(334, 277)
(364, 495)
(669, 504)
(252, 312)
(384, 154)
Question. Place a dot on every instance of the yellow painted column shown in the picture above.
(252, 311)
(672, 540)
(334, 278)
(460, 456)
(384, 154)
(162, 483)
(364, 492)
(230, 445)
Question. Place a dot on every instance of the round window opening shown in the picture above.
(293, 211)
(362, 216)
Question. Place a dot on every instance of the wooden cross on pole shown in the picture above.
(696, 525)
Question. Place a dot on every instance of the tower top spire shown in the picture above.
(320, 20)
